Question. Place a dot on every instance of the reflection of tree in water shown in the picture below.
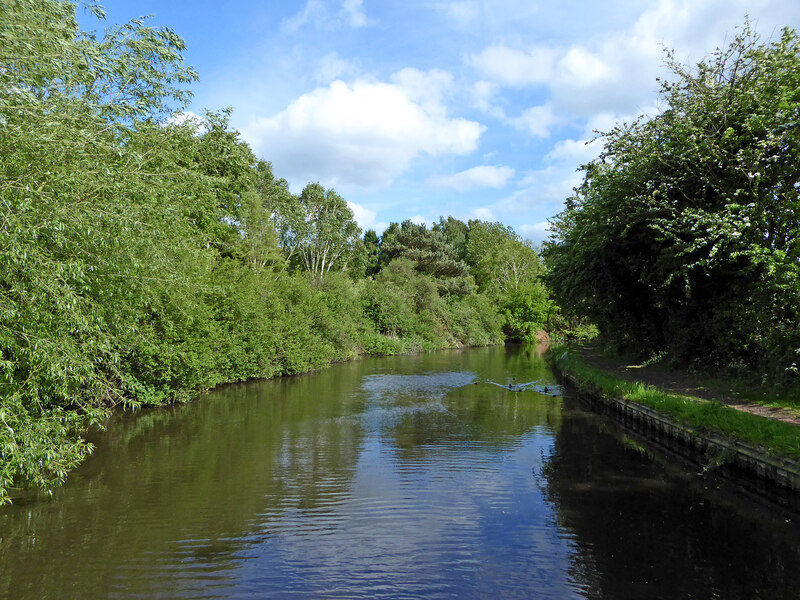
(188, 487)
(642, 531)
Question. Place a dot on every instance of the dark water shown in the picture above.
(392, 478)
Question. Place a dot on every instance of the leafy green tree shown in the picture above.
(431, 254)
(262, 250)
(455, 232)
(509, 270)
(684, 234)
(328, 235)
(372, 251)
(283, 208)
(71, 108)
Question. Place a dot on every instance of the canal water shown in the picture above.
(421, 476)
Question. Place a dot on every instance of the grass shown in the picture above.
(776, 437)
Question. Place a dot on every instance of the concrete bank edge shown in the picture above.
(736, 458)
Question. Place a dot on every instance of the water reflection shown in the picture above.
(387, 478)
(649, 528)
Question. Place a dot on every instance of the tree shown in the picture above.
(509, 270)
(684, 235)
(72, 108)
(455, 232)
(328, 234)
(260, 239)
(371, 253)
(431, 254)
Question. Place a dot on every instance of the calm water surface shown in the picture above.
(405, 477)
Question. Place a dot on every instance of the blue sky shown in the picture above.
(418, 109)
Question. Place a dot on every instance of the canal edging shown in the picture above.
(757, 468)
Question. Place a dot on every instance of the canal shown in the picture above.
(418, 476)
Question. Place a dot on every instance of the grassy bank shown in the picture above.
(776, 437)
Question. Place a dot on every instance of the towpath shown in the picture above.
(686, 384)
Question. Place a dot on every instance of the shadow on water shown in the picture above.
(384, 478)
(646, 526)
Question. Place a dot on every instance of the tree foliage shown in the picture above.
(510, 271)
(146, 256)
(431, 254)
(683, 237)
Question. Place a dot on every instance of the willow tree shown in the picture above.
(71, 108)
(684, 236)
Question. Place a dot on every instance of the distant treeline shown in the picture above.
(145, 257)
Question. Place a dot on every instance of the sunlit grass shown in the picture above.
(777, 437)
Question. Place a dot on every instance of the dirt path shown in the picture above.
(680, 382)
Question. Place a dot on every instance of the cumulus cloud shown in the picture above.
(540, 70)
(364, 133)
(511, 66)
(537, 120)
(428, 88)
(477, 177)
(614, 72)
(419, 220)
(366, 218)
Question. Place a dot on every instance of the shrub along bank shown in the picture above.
(146, 256)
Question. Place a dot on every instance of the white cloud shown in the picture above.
(419, 220)
(428, 88)
(187, 117)
(536, 120)
(538, 232)
(366, 218)
(354, 12)
(575, 152)
(362, 134)
(543, 188)
(332, 67)
(483, 94)
(614, 70)
(515, 67)
(543, 191)
(483, 214)
(483, 176)
(582, 67)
